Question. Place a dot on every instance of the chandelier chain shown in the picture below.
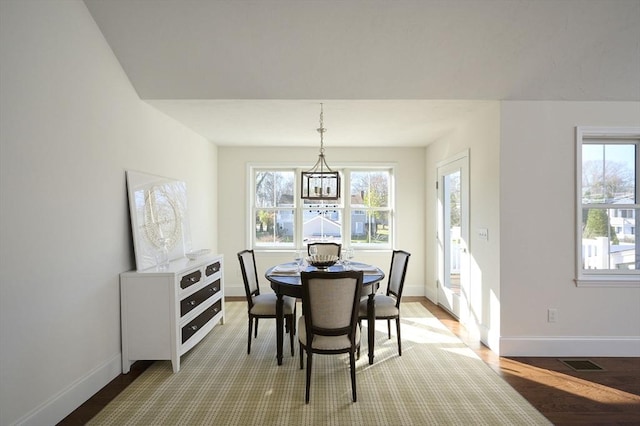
(321, 129)
(320, 182)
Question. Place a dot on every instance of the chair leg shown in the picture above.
(249, 335)
(352, 362)
(256, 335)
(398, 332)
(301, 355)
(290, 320)
(295, 317)
(309, 358)
(389, 328)
(360, 327)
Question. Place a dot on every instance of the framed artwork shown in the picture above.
(159, 219)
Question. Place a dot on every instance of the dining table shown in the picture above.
(285, 281)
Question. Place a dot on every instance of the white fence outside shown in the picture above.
(597, 254)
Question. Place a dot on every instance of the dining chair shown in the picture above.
(329, 321)
(388, 305)
(263, 305)
(325, 248)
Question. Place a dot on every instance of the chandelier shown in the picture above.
(320, 182)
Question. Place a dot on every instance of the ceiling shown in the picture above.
(390, 73)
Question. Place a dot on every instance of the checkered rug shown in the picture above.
(437, 381)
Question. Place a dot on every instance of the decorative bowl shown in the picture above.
(193, 255)
(322, 261)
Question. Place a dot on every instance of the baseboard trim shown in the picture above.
(610, 346)
(64, 402)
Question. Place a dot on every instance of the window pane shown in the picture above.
(608, 239)
(274, 188)
(370, 189)
(369, 227)
(608, 173)
(274, 227)
(322, 225)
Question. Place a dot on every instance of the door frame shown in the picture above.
(457, 304)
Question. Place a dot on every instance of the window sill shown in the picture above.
(631, 281)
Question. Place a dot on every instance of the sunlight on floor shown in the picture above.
(423, 330)
(573, 385)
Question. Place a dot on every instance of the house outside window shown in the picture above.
(273, 210)
(281, 219)
(608, 210)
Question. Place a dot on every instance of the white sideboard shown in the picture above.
(166, 312)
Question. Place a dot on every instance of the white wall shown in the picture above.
(481, 136)
(70, 125)
(537, 213)
(232, 236)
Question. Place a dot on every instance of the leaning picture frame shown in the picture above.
(159, 219)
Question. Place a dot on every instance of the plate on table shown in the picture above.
(366, 269)
(285, 270)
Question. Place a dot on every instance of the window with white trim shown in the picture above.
(281, 219)
(608, 207)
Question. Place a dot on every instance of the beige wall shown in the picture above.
(71, 124)
(481, 136)
(410, 190)
(522, 189)
(537, 215)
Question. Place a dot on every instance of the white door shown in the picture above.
(453, 235)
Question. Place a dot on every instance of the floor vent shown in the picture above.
(582, 365)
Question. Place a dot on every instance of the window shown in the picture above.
(608, 209)
(280, 219)
(371, 207)
(273, 211)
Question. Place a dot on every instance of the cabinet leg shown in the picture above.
(126, 366)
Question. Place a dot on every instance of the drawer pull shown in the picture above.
(212, 269)
(190, 279)
(190, 302)
(201, 320)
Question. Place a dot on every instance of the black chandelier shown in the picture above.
(320, 182)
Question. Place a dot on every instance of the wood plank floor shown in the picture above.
(564, 396)
(561, 394)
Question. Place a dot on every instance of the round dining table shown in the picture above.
(285, 281)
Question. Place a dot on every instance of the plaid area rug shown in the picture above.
(438, 380)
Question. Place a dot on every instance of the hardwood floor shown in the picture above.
(563, 395)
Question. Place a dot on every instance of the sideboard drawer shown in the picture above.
(195, 325)
(190, 279)
(212, 269)
(189, 303)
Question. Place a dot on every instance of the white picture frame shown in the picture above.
(159, 219)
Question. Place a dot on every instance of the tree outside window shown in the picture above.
(371, 207)
(608, 204)
(273, 213)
